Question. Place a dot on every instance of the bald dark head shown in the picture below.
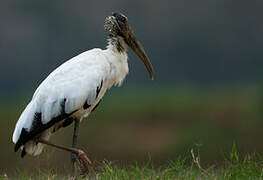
(117, 27)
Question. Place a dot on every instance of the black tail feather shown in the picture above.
(16, 147)
(22, 139)
(23, 153)
(38, 127)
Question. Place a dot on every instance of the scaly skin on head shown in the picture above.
(120, 33)
(111, 26)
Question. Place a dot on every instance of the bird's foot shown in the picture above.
(84, 162)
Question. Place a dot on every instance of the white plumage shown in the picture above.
(76, 87)
(76, 81)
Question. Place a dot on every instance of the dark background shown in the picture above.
(207, 93)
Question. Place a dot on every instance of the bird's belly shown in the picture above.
(83, 113)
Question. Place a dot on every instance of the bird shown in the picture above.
(74, 89)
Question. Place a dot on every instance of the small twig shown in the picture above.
(197, 163)
(106, 161)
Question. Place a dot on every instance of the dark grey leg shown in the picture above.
(74, 144)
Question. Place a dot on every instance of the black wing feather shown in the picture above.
(38, 127)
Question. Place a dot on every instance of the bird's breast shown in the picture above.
(118, 67)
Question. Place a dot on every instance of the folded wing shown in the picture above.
(73, 86)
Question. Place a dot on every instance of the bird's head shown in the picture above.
(117, 25)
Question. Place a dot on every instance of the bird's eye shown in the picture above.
(119, 17)
(122, 19)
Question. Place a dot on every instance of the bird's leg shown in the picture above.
(74, 144)
(81, 155)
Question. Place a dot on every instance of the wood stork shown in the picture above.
(73, 90)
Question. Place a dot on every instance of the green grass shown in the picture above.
(235, 166)
(164, 123)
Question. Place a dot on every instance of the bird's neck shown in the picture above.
(116, 43)
(117, 58)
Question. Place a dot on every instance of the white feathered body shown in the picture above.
(81, 80)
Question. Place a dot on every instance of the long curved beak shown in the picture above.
(136, 46)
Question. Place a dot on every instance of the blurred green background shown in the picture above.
(207, 94)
